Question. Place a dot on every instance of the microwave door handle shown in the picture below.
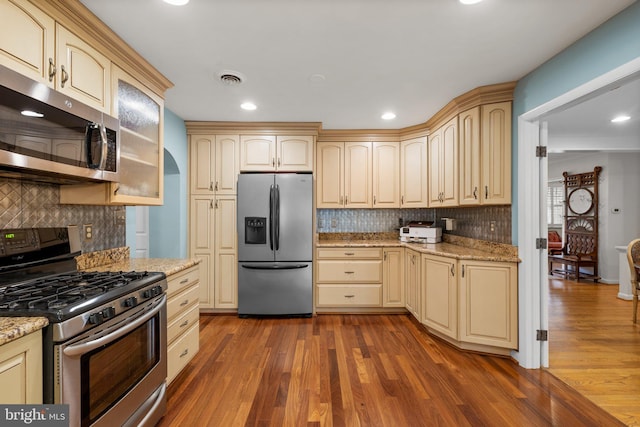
(104, 147)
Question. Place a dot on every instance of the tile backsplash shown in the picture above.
(490, 223)
(26, 204)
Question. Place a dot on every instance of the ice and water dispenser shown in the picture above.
(255, 230)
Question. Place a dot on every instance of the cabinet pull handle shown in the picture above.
(216, 186)
(486, 191)
(349, 296)
(279, 163)
(183, 303)
(210, 204)
(349, 253)
(385, 256)
(116, 190)
(185, 352)
(453, 271)
(65, 75)
(216, 205)
(273, 162)
(182, 282)
(374, 200)
(52, 69)
(346, 200)
(475, 193)
(185, 323)
(462, 270)
(211, 186)
(413, 259)
(349, 272)
(341, 200)
(402, 200)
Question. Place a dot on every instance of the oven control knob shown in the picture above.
(95, 318)
(130, 302)
(152, 292)
(108, 312)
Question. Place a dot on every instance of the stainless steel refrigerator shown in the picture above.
(275, 244)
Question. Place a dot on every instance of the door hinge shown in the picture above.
(542, 335)
(541, 243)
(541, 151)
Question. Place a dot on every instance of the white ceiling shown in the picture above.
(409, 56)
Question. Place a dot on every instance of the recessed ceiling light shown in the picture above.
(388, 116)
(620, 119)
(177, 2)
(249, 106)
(470, 1)
(30, 113)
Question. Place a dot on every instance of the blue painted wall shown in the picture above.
(609, 46)
(168, 223)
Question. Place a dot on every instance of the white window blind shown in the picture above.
(555, 204)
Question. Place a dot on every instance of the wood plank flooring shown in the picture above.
(360, 370)
(594, 345)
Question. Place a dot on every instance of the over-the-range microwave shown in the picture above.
(47, 136)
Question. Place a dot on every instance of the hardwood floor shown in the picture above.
(595, 347)
(360, 370)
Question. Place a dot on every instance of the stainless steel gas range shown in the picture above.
(104, 351)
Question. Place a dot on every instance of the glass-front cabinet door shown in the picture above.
(141, 150)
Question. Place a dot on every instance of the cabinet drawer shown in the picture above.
(181, 352)
(181, 280)
(351, 296)
(177, 304)
(182, 323)
(348, 253)
(356, 271)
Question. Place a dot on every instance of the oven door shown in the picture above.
(115, 373)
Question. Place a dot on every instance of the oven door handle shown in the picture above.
(80, 349)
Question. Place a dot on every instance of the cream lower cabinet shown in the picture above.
(21, 370)
(182, 319)
(213, 240)
(488, 303)
(349, 277)
(412, 282)
(440, 294)
(393, 277)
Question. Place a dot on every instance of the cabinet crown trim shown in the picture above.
(253, 128)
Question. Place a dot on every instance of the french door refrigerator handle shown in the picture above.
(271, 213)
(277, 220)
(274, 266)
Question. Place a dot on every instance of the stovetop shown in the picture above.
(62, 296)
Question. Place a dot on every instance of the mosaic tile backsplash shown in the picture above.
(491, 223)
(27, 204)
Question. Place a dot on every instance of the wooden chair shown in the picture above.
(633, 256)
(579, 253)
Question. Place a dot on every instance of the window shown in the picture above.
(555, 204)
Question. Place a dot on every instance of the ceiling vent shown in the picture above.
(231, 78)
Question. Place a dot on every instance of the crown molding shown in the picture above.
(251, 128)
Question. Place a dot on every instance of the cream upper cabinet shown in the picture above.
(33, 44)
(413, 173)
(271, 153)
(412, 282)
(386, 175)
(469, 144)
(141, 114)
(294, 153)
(344, 175)
(485, 155)
(393, 277)
(496, 153)
(443, 165)
(214, 163)
(489, 303)
(27, 40)
(440, 294)
(330, 175)
(83, 72)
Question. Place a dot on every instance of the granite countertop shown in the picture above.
(117, 259)
(12, 328)
(452, 246)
